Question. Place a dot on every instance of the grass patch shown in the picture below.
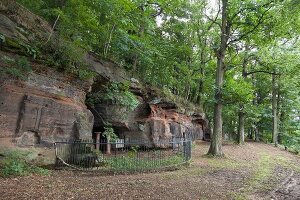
(262, 178)
(225, 163)
(213, 164)
(133, 163)
(15, 163)
(263, 172)
(238, 196)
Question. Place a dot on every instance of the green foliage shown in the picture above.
(19, 46)
(115, 93)
(16, 68)
(63, 55)
(109, 133)
(15, 164)
(119, 93)
(32, 51)
(33, 5)
(85, 74)
(67, 56)
(291, 140)
(237, 90)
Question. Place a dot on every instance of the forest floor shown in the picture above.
(252, 171)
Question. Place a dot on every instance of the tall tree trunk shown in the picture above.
(279, 113)
(215, 148)
(256, 132)
(274, 110)
(255, 103)
(241, 126)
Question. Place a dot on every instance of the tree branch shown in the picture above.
(158, 6)
(260, 21)
(262, 71)
(248, 8)
(52, 30)
(213, 21)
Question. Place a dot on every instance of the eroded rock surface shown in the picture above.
(52, 107)
(46, 105)
(153, 121)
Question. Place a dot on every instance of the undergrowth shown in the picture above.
(15, 163)
(16, 68)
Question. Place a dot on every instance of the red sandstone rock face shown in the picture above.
(152, 122)
(168, 123)
(51, 107)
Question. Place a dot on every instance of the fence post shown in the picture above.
(187, 149)
(108, 146)
(97, 140)
(173, 143)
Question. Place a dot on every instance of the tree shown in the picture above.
(215, 148)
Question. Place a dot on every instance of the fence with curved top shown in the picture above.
(122, 155)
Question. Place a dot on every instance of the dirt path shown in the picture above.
(254, 171)
(289, 189)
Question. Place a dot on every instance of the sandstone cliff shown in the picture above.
(44, 105)
(41, 105)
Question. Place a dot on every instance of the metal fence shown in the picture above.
(122, 155)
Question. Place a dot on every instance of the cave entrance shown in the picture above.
(103, 144)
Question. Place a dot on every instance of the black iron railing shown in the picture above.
(122, 155)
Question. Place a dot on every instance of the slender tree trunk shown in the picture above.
(279, 113)
(107, 45)
(215, 148)
(274, 111)
(256, 132)
(255, 103)
(241, 127)
(250, 134)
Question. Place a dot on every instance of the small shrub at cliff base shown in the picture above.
(15, 164)
(109, 133)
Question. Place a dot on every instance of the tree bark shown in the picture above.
(241, 127)
(215, 148)
(241, 121)
(256, 131)
(274, 110)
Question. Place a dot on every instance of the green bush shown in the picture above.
(17, 68)
(67, 56)
(291, 140)
(15, 164)
(115, 93)
(109, 133)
